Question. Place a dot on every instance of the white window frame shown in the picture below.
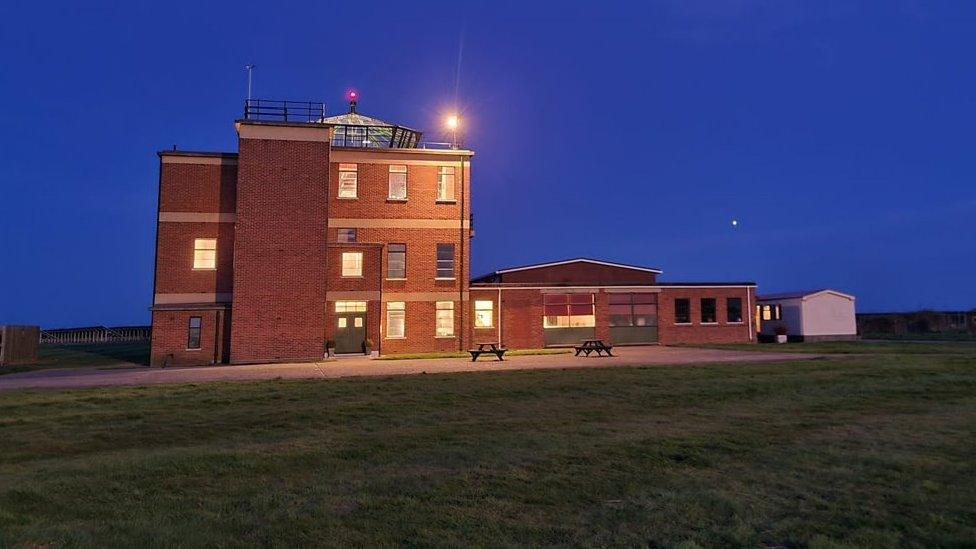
(397, 170)
(204, 254)
(356, 270)
(443, 310)
(481, 306)
(396, 310)
(446, 174)
(344, 189)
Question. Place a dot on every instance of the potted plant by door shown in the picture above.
(330, 348)
(780, 333)
(368, 347)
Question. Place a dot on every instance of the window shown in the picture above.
(395, 319)
(396, 261)
(350, 307)
(771, 312)
(348, 181)
(352, 263)
(346, 235)
(445, 319)
(445, 261)
(568, 311)
(708, 315)
(682, 310)
(193, 333)
(733, 309)
(483, 317)
(398, 182)
(633, 309)
(445, 183)
(205, 253)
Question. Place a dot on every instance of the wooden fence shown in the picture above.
(95, 334)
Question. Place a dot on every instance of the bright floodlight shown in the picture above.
(452, 122)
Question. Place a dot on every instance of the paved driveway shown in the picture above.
(345, 367)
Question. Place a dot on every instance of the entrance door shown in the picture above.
(350, 331)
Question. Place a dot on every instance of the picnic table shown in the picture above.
(488, 347)
(597, 346)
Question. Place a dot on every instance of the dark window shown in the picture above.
(396, 261)
(708, 310)
(193, 333)
(445, 261)
(682, 310)
(347, 235)
(733, 309)
(633, 309)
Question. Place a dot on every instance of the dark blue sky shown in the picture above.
(840, 135)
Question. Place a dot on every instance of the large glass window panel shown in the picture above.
(398, 182)
(348, 181)
(352, 263)
(396, 261)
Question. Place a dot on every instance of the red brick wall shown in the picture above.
(580, 273)
(420, 330)
(170, 331)
(373, 181)
(696, 332)
(174, 258)
(198, 187)
(280, 266)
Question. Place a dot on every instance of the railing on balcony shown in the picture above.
(283, 111)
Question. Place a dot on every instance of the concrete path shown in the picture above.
(346, 367)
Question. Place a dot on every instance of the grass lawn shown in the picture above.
(872, 450)
(102, 355)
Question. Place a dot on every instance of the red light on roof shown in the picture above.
(353, 95)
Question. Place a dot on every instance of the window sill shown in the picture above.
(738, 323)
(205, 268)
(347, 197)
(484, 327)
(445, 337)
(445, 278)
(193, 350)
(709, 323)
(683, 324)
(394, 279)
(398, 337)
(351, 276)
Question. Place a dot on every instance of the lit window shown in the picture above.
(348, 181)
(398, 182)
(346, 235)
(708, 315)
(396, 261)
(483, 317)
(205, 253)
(771, 312)
(445, 261)
(350, 307)
(445, 318)
(193, 333)
(352, 263)
(733, 309)
(682, 310)
(395, 319)
(445, 183)
(568, 311)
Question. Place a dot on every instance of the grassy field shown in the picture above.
(103, 355)
(873, 450)
(857, 347)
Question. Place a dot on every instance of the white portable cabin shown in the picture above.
(808, 316)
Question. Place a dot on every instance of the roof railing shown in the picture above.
(283, 111)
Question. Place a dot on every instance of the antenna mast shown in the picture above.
(250, 68)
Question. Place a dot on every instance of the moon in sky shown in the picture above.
(735, 222)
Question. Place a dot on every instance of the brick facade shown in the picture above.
(275, 211)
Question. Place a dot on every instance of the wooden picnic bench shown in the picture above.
(489, 348)
(597, 346)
